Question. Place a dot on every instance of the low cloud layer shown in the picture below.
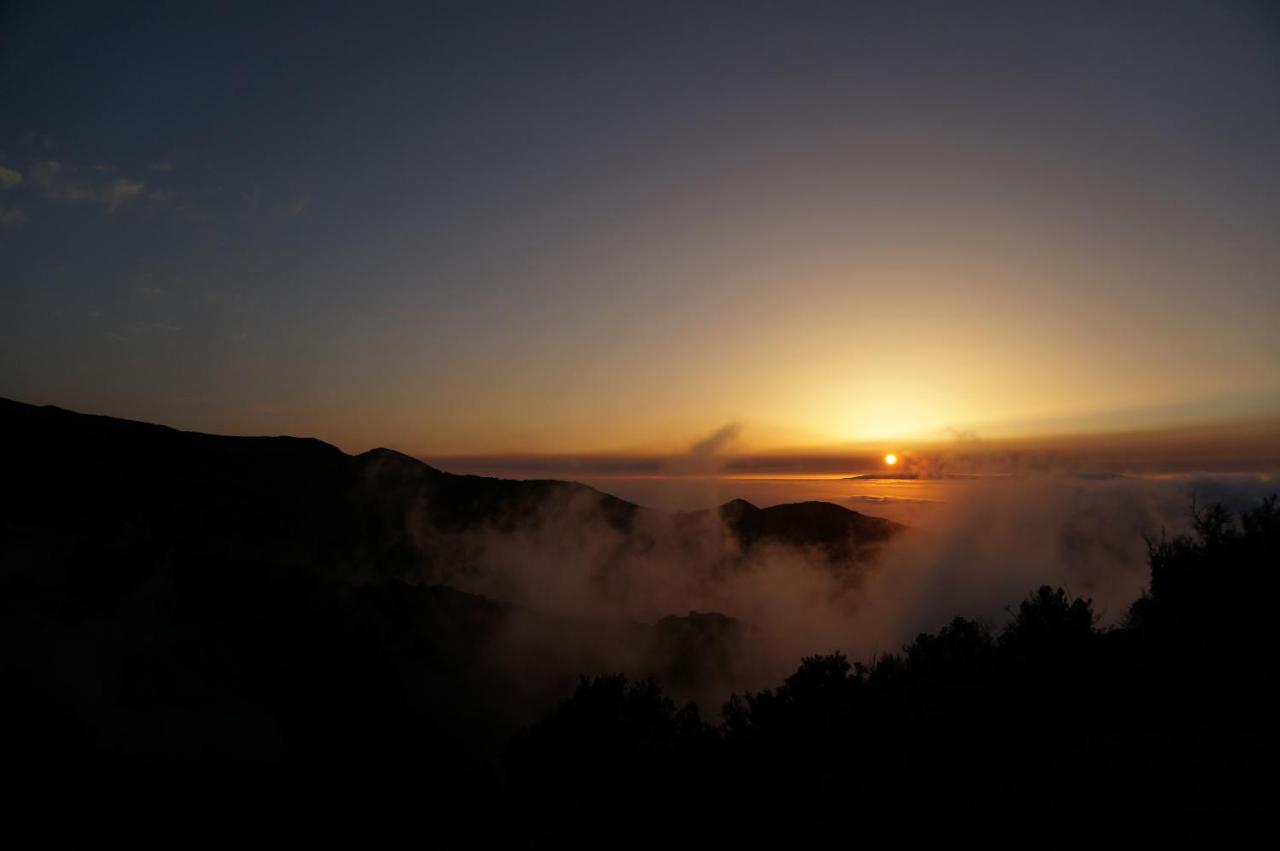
(983, 552)
(1241, 446)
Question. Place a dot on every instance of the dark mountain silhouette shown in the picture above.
(227, 631)
(90, 485)
(840, 532)
(80, 484)
(188, 615)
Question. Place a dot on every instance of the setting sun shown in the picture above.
(891, 459)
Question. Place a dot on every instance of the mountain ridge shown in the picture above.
(57, 440)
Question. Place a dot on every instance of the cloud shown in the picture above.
(979, 554)
(129, 330)
(296, 208)
(53, 178)
(232, 302)
(706, 456)
(121, 191)
(715, 442)
(902, 500)
(977, 551)
(61, 182)
(962, 435)
(11, 217)
(9, 178)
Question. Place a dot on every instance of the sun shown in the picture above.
(891, 459)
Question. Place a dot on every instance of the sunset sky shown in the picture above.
(602, 227)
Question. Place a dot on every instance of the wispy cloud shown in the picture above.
(297, 206)
(230, 301)
(121, 191)
(715, 442)
(131, 330)
(705, 456)
(62, 182)
(11, 217)
(54, 179)
(962, 435)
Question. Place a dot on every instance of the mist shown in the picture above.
(978, 552)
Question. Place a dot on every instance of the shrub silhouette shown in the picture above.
(1049, 624)
(612, 744)
(1172, 710)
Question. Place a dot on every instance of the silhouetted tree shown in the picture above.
(1172, 710)
(611, 765)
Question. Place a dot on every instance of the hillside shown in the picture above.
(253, 611)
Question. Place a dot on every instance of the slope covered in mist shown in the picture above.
(196, 618)
(260, 610)
(1051, 722)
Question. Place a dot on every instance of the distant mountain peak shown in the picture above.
(382, 455)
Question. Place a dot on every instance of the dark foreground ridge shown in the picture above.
(192, 619)
(1051, 721)
(228, 632)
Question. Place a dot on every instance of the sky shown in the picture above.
(530, 229)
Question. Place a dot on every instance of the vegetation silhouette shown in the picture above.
(1051, 717)
(209, 626)
(200, 635)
